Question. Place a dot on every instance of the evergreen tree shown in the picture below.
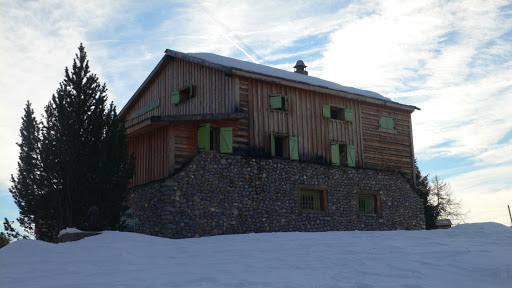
(424, 190)
(83, 158)
(24, 188)
(4, 240)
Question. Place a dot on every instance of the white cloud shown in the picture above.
(38, 41)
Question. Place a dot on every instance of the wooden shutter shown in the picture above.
(326, 111)
(294, 148)
(272, 145)
(175, 98)
(348, 115)
(351, 156)
(226, 140)
(391, 123)
(387, 122)
(335, 154)
(204, 137)
(275, 101)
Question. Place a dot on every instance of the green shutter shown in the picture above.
(275, 101)
(348, 115)
(272, 145)
(335, 154)
(351, 156)
(326, 111)
(294, 148)
(383, 122)
(204, 137)
(226, 140)
(175, 98)
(391, 123)
(387, 122)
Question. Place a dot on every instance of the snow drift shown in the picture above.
(470, 255)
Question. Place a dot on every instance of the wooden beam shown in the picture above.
(199, 117)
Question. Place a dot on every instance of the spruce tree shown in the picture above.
(78, 159)
(84, 152)
(24, 187)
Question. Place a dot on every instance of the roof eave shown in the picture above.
(165, 59)
(327, 90)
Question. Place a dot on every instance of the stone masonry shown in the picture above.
(230, 194)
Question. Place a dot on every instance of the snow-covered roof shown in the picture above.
(283, 74)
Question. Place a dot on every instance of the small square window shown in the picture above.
(282, 146)
(312, 198)
(278, 102)
(369, 204)
(387, 122)
(182, 95)
(337, 113)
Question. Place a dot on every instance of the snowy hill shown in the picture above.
(470, 255)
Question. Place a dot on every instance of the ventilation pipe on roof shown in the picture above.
(300, 68)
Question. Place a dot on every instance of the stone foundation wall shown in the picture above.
(229, 194)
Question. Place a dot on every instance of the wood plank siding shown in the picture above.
(214, 92)
(164, 136)
(384, 149)
(303, 119)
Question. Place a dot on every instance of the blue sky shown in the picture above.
(453, 59)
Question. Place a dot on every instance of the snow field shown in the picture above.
(470, 255)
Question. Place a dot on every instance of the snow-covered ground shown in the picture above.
(470, 255)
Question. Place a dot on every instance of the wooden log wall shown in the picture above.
(164, 151)
(303, 119)
(214, 92)
(151, 154)
(384, 149)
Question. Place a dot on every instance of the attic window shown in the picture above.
(337, 113)
(282, 146)
(278, 102)
(387, 122)
(182, 95)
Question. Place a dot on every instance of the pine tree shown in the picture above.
(84, 152)
(24, 189)
(80, 160)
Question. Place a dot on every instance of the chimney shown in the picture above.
(300, 67)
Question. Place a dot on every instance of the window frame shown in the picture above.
(377, 205)
(385, 122)
(216, 137)
(321, 191)
(342, 113)
(183, 94)
(283, 103)
(289, 146)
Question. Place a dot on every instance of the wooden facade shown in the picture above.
(164, 135)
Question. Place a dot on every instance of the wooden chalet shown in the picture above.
(192, 102)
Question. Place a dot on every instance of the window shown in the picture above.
(387, 122)
(343, 155)
(278, 102)
(220, 139)
(337, 113)
(282, 146)
(182, 95)
(312, 198)
(369, 204)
